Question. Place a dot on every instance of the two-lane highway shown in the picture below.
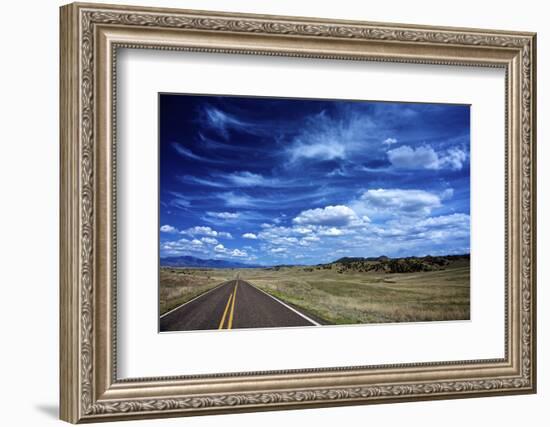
(231, 305)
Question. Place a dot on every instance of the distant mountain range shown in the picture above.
(382, 264)
(191, 261)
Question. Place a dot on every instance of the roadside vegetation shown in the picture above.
(347, 291)
(179, 285)
(344, 293)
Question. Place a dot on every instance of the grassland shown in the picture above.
(369, 297)
(179, 285)
(336, 294)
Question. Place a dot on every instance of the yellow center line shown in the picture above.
(230, 322)
(225, 311)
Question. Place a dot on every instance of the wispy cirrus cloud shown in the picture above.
(323, 177)
(187, 153)
(178, 200)
(238, 199)
(223, 122)
(238, 179)
(325, 137)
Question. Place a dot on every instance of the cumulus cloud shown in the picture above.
(277, 250)
(331, 231)
(303, 230)
(210, 240)
(168, 229)
(425, 157)
(389, 141)
(238, 253)
(205, 231)
(249, 236)
(398, 201)
(221, 249)
(454, 159)
(330, 216)
(183, 246)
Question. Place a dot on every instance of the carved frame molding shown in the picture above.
(90, 36)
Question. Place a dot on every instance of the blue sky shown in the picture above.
(296, 181)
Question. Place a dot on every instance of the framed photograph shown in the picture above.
(265, 212)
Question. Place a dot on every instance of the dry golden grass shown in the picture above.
(179, 285)
(339, 298)
(358, 297)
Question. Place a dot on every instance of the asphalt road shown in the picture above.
(232, 305)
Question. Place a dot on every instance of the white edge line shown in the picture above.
(197, 297)
(286, 305)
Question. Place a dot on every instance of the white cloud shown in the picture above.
(303, 230)
(454, 159)
(405, 157)
(221, 120)
(196, 242)
(337, 172)
(457, 219)
(447, 194)
(331, 231)
(183, 246)
(185, 152)
(179, 201)
(249, 179)
(238, 253)
(326, 136)
(200, 230)
(223, 215)
(330, 216)
(323, 150)
(249, 236)
(205, 231)
(168, 229)
(397, 201)
(425, 157)
(389, 141)
(277, 250)
(221, 249)
(209, 240)
(233, 199)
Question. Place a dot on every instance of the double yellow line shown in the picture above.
(230, 302)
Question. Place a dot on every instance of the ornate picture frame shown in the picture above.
(90, 37)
